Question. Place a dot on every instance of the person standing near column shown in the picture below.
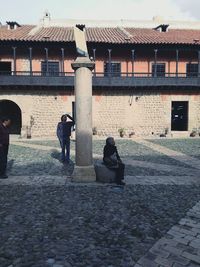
(63, 133)
(4, 145)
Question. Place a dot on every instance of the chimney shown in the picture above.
(12, 25)
(162, 28)
(46, 18)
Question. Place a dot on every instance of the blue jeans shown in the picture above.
(65, 146)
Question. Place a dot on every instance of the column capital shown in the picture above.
(83, 62)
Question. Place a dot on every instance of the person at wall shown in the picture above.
(63, 133)
(112, 160)
(4, 145)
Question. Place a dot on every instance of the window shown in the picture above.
(5, 68)
(114, 69)
(192, 70)
(158, 70)
(53, 68)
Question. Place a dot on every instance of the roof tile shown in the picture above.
(101, 35)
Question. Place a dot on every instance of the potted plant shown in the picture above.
(131, 134)
(28, 128)
(166, 131)
(121, 132)
(193, 133)
(94, 130)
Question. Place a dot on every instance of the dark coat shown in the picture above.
(111, 157)
(4, 135)
(64, 130)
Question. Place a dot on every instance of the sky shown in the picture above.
(31, 11)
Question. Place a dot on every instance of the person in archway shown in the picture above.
(4, 145)
(64, 129)
(113, 161)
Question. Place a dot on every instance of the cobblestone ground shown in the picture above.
(188, 146)
(26, 161)
(180, 246)
(47, 221)
(86, 225)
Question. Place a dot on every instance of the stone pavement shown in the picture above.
(180, 247)
(44, 147)
(163, 167)
(193, 162)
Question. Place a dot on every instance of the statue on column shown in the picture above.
(80, 40)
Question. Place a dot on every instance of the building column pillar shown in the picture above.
(109, 62)
(199, 63)
(30, 60)
(84, 168)
(155, 62)
(133, 61)
(14, 60)
(177, 59)
(62, 60)
(47, 60)
(94, 58)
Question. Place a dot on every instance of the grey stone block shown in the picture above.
(191, 257)
(103, 174)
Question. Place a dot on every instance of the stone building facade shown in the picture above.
(145, 81)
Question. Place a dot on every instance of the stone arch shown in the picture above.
(12, 110)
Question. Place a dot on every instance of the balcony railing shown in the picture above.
(103, 74)
(117, 79)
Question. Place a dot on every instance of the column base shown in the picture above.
(84, 174)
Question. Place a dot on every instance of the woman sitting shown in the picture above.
(112, 160)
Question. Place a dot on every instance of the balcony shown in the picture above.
(122, 80)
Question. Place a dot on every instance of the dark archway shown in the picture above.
(11, 109)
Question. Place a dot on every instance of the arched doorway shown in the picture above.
(11, 109)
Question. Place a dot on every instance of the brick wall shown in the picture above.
(144, 112)
(141, 111)
(46, 108)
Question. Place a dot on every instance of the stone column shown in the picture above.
(84, 169)
(198, 64)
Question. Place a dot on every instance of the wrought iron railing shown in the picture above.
(103, 74)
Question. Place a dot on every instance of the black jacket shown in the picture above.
(4, 135)
(111, 157)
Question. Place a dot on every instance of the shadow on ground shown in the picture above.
(40, 169)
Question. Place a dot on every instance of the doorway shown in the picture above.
(179, 116)
(11, 110)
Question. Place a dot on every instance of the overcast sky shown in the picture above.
(31, 11)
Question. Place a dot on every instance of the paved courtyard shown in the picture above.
(47, 220)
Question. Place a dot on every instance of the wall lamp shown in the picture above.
(137, 98)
